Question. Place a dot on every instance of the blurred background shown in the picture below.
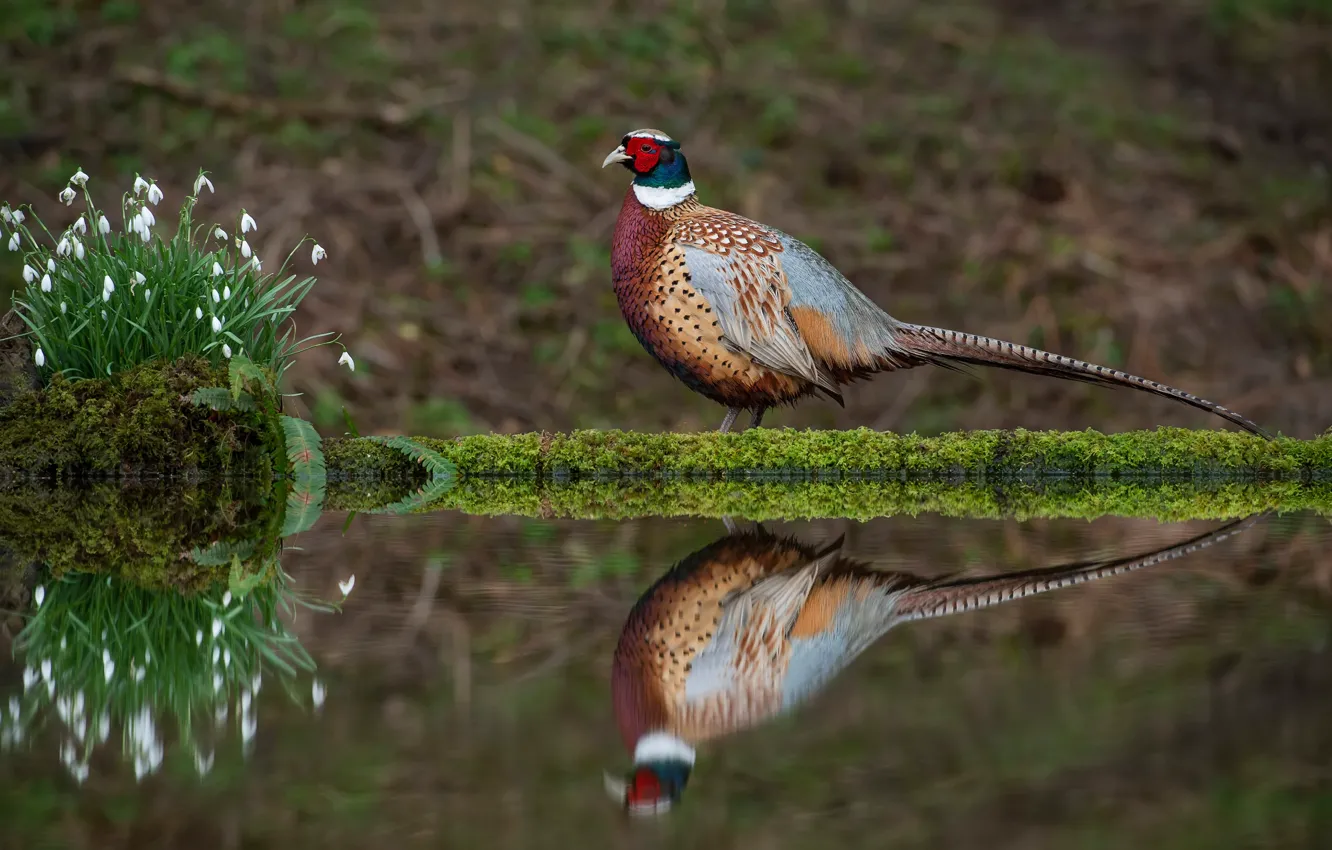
(1140, 183)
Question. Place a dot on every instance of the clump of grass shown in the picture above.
(101, 298)
(107, 653)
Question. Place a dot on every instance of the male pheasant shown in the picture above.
(752, 624)
(752, 318)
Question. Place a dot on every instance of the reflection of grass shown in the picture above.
(106, 652)
(803, 498)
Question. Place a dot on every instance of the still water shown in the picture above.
(483, 677)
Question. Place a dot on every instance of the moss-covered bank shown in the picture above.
(1086, 498)
(141, 419)
(601, 454)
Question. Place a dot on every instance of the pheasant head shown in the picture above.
(661, 175)
(662, 764)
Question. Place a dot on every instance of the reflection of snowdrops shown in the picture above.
(139, 669)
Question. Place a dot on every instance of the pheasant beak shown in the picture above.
(617, 155)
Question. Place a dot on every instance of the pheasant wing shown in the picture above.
(734, 263)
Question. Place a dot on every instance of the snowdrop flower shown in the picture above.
(217, 681)
(217, 272)
(202, 181)
(154, 194)
(226, 658)
(248, 727)
(226, 599)
(39, 595)
(46, 283)
(6, 214)
(198, 312)
(108, 285)
(139, 184)
(80, 225)
(50, 264)
(139, 278)
(139, 673)
(67, 195)
(257, 683)
(29, 677)
(40, 359)
(104, 315)
(346, 360)
(317, 694)
(317, 254)
(46, 670)
(226, 293)
(245, 249)
(17, 215)
(63, 307)
(217, 627)
(346, 586)
(62, 247)
(79, 178)
(220, 234)
(103, 225)
(198, 637)
(108, 669)
(258, 266)
(64, 643)
(147, 295)
(247, 223)
(14, 241)
(226, 351)
(217, 299)
(29, 274)
(217, 325)
(106, 295)
(78, 249)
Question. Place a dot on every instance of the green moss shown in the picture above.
(1158, 498)
(1174, 451)
(154, 536)
(138, 419)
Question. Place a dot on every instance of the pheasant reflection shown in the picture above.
(753, 624)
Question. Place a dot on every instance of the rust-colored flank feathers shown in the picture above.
(752, 318)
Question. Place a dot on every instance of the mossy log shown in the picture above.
(860, 453)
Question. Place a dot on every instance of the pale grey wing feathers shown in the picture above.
(769, 607)
(816, 283)
(746, 293)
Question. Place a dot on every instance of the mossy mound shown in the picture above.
(1087, 498)
(141, 419)
(178, 536)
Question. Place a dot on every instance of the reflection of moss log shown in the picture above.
(599, 454)
(140, 419)
(1086, 498)
(150, 535)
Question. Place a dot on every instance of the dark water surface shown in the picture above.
(462, 696)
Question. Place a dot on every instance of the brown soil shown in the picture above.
(1117, 180)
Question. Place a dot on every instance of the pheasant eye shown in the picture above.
(649, 149)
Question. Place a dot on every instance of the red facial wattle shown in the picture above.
(646, 154)
(644, 787)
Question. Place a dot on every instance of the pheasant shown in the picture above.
(751, 318)
(753, 624)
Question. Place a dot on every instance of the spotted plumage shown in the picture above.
(753, 624)
(752, 318)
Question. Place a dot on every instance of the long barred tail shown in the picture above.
(942, 346)
(949, 596)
